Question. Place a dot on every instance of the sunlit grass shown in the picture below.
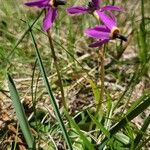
(123, 120)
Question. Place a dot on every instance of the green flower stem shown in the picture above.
(102, 77)
(102, 71)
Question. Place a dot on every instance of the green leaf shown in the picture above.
(109, 112)
(142, 131)
(137, 102)
(20, 113)
(24, 34)
(122, 138)
(52, 98)
(82, 136)
(127, 118)
(99, 125)
(95, 90)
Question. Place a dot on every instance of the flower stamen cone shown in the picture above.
(96, 15)
(51, 2)
(114, 32)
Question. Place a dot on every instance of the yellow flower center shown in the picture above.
(114, 32)
(96, 15)
(52, 3)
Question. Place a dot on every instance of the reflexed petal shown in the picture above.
(113, 17)
(40, 3)
(107, 20)
(112, 8)
(96, 3)
(99, 43)
(49, 18)
(102, 28)
(93, 32)
(77, 10)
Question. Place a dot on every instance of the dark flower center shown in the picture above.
(115, 33)
(119, 36)
(59, 2)
(91, 6)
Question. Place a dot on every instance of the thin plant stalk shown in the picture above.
(102, 77)
(102, 57)
(57, 69)
(102, 71)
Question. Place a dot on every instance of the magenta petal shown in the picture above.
(49, 18)
(93, 32)
(99, 43)
(40, 3)
(113, 17)
(77, 10)
(102, 28)
(107, 20)
(111, 8)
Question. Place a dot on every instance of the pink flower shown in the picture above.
(104, 33)
(92, 6)
(51, 8)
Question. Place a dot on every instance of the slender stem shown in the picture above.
(102, 77)
(102, 72)
(57, 69)
(102, 57)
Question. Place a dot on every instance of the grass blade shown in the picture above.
(96, 91)
(134, 113)
(142, 36)
(99, 125)
(142, 144)
(87, 143)
(142, 131)
(20, 113)
(24, 34)
(138, 102)
(56, 109)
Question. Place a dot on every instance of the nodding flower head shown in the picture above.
(93, 5)
(114, 32)
(51, 10)
(105, 33)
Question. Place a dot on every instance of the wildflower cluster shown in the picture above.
(102, 33)
(107, 31)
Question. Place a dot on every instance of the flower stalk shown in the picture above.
(102, 76)
(51, 12)
(102, 72)
(103, 33)
(57, 69)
